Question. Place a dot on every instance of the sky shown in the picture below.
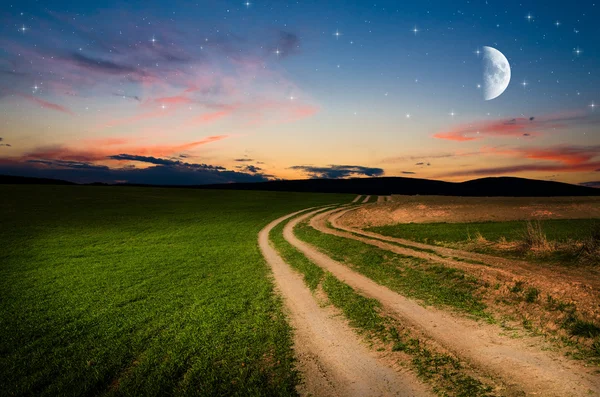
(193, 92)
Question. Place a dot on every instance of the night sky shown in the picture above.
(189, 92)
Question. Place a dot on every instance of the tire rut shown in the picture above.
(330, 355)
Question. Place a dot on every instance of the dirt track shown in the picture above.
(331, 358)
(518, 362)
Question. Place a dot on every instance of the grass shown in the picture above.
(364, 314)
(410, 276)
(141, 291)
(551, 239)
(561, 230)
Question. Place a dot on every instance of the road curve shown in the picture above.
(517, 362)
(331, 358)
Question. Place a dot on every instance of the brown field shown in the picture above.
(429, 209)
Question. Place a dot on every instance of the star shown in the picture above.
(529, 17)
(477, 51)
(452, 113)
(524, 83)
(247, 4)
(277, 52)
(577, 51)
(557, 23)
(478, 85)
(292, 98)
(415, 30)
(408, 115)
(35, 88)
(153, 40)
(163, 107)
(337, 34)
(593, 106)
(23, 29)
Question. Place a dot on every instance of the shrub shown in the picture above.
(534, 238)
(532, 294)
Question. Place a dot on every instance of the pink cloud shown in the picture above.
(46, 104)
(520, 126)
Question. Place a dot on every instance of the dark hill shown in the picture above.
(26, 180)
(502, 186)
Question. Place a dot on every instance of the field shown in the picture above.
(147, 291)
(141, 291)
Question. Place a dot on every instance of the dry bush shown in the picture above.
(534, 239)
(590, 248)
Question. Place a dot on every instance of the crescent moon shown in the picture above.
(496, 73)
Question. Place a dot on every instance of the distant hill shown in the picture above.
(490, 187)
(501, 186)
(26, 180)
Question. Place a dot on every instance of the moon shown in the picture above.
(496, 73)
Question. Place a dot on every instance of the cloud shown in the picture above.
(101, 149)
(567, 154)
(165, 162)
(69, 164)
(287, 43)
(251, 168)
(46, 104)
(595, 184)
(243, 159)
(338, 171)
(154, 175)
(513, 169)
(423, 157)
(101, 65)
(134, 97)
(560, 158)
(408, 172)
(521, 126)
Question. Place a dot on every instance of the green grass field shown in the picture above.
(141, 291)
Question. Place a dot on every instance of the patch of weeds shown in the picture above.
(584, 328)
(532, 294)
(596, 347)
(517, 288)
(527, 324)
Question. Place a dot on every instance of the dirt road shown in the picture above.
(519, 363)
(332, 360)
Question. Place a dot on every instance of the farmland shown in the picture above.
(150, 291)
(123, 291)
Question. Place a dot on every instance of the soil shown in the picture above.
(429, 209)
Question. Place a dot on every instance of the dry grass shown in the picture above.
(590, 248)
(534, 239)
